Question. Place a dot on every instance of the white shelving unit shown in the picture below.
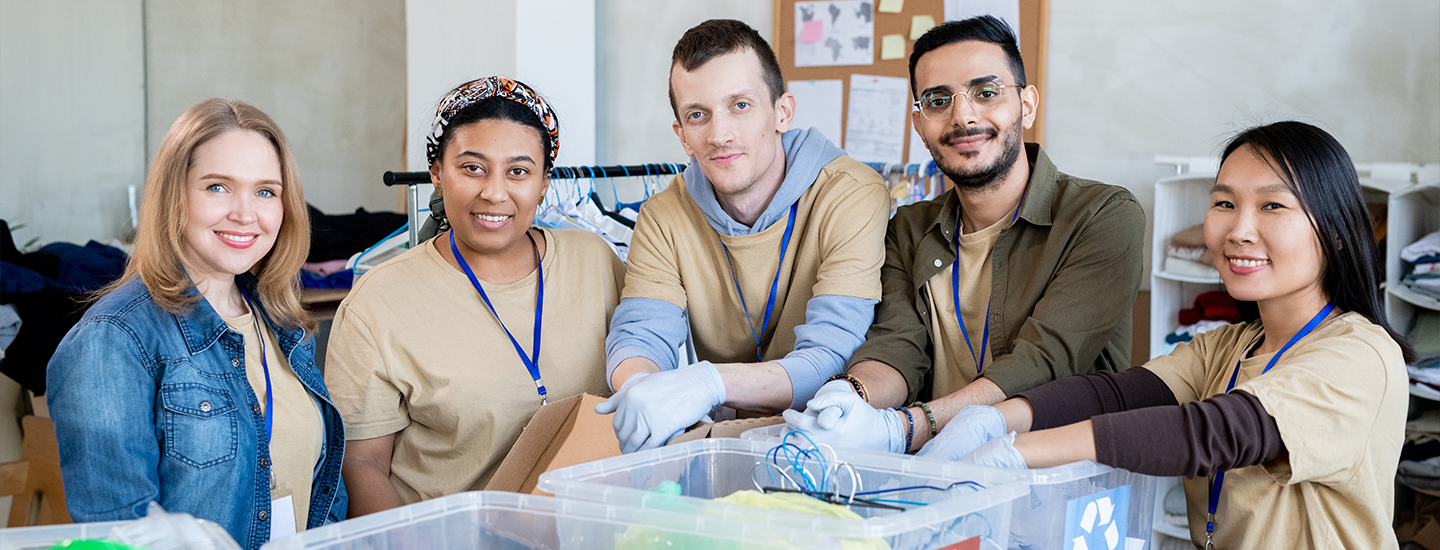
(1180, 202)
(1414, 211)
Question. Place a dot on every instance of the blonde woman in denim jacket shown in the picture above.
(158, 394)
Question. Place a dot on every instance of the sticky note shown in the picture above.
(919, 24)
(892, 47)
(891, 6)
(813, 31)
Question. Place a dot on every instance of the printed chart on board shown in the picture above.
(841, 32)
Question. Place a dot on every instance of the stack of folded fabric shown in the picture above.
(1212, 310)
(1424, 258)
(1186, 254)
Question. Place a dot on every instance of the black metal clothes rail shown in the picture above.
(414, 179)
(560, 172)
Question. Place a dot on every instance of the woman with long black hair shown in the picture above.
(1288, 427)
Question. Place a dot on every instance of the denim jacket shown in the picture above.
(154, 406)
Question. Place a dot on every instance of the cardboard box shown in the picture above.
(568, 432)
(561, 434)
(725, 428)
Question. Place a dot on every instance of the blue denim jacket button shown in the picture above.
(263, 515)
(205, 406)
(255, 409)
(235, 362)
(264, 463)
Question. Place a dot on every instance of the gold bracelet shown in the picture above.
(929, 416)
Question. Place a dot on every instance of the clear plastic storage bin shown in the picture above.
(1085, 506)
(491, 520)
(961, 517)
(45, 536)
(1054, 514)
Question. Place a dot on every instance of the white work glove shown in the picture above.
(966, 432)
(838, 416)
(997, 453)
(652, 408)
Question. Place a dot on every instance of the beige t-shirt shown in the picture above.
(954, 366)
(1339, 397)
(837, 247)
(414, 352)
(299, 429)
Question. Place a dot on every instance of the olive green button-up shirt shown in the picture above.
(1063, 280)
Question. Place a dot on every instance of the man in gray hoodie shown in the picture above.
(769, 246)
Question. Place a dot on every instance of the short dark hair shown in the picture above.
(985, 28)
(718, 37)
(496, 108)
(1320, 174)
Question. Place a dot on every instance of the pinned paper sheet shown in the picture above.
(838, 32)
(919, 24)
(818, 105)
(891, 6)
(918, 153)
(875, 120)
(892, 47)
(1008, 10)
(812, 32)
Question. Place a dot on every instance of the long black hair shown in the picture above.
(1318, 171)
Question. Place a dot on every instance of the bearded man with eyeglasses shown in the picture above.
(1016, 276)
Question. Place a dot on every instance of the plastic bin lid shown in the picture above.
(348, 533)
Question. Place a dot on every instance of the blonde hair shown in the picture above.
(159, 239)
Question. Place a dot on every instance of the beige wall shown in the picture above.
(330, 72)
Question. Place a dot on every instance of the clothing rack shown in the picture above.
(412, 180)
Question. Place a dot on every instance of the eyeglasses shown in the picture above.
(983, 97)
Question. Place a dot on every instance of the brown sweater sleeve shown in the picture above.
(1078, 398)
(1220, 433)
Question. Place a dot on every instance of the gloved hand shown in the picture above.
(652, 408)
(838, 416)
(966, 432)
(997, 453)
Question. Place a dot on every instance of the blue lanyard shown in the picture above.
(532, 359)
(1220, 474)
(955, 294)
(774, 284)
(264, 364)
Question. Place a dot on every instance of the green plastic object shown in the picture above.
(94, 545)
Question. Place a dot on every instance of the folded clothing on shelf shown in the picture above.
(1216, 305)
(1188, 332)
(1428, 247)
(1186, 254)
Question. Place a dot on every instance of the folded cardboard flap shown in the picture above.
(725, 428)
(563, 433)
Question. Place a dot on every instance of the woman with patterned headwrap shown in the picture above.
(440, 356)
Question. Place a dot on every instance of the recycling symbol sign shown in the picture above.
(1098, 521)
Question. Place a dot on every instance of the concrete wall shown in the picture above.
(330, 72)
(72, 116)
(635, 40)
(1130, 79)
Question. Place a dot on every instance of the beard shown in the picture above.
(990, 174)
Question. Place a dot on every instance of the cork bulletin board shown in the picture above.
(1034, 27)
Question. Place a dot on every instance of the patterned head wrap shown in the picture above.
(495, 86)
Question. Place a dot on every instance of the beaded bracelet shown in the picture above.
(854, 383)
(929, 416)
(909, 434)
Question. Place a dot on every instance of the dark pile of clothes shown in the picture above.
(334, 239)
(42, 295)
